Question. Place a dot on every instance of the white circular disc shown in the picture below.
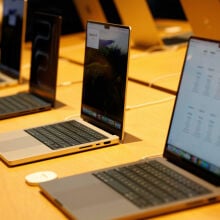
(39, 177)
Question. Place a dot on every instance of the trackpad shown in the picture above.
(18, 143)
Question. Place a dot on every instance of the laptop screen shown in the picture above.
(194, 134)
(44, 61)
(105, 76)
(12, 36)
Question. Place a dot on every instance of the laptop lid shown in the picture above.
(105, 76)
(193, 139)
(145, 31)
(46, 30)
(204, 19)
(139, 17)
(13, 28)
(89, 10)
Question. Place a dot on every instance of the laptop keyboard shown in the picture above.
(19, 102)
(65, 134)
(150, 183)
(175, 40)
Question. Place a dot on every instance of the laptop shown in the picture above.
(186, 176)
(204, 20)
(42, 85)
(89, 10)
(145, 33)
(102, 107)
(13, 26)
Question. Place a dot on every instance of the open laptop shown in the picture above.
(102, 108)
(89, 10)
(186, 176)
(145, 33)
(204, 20)
(13, 26)
(42, 85)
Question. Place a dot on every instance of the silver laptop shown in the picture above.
(13, 29)
(89, 10)
(102, 108)
(186, 176)
(203, 17)
(145, 33)
(41, 96)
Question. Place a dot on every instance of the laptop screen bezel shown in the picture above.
(174, 157)
(93, 120)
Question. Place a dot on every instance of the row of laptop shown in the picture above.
(136, 14)
(44, 59)
(187, 175)
(204, 23)
(145, 31)
(188, 172)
